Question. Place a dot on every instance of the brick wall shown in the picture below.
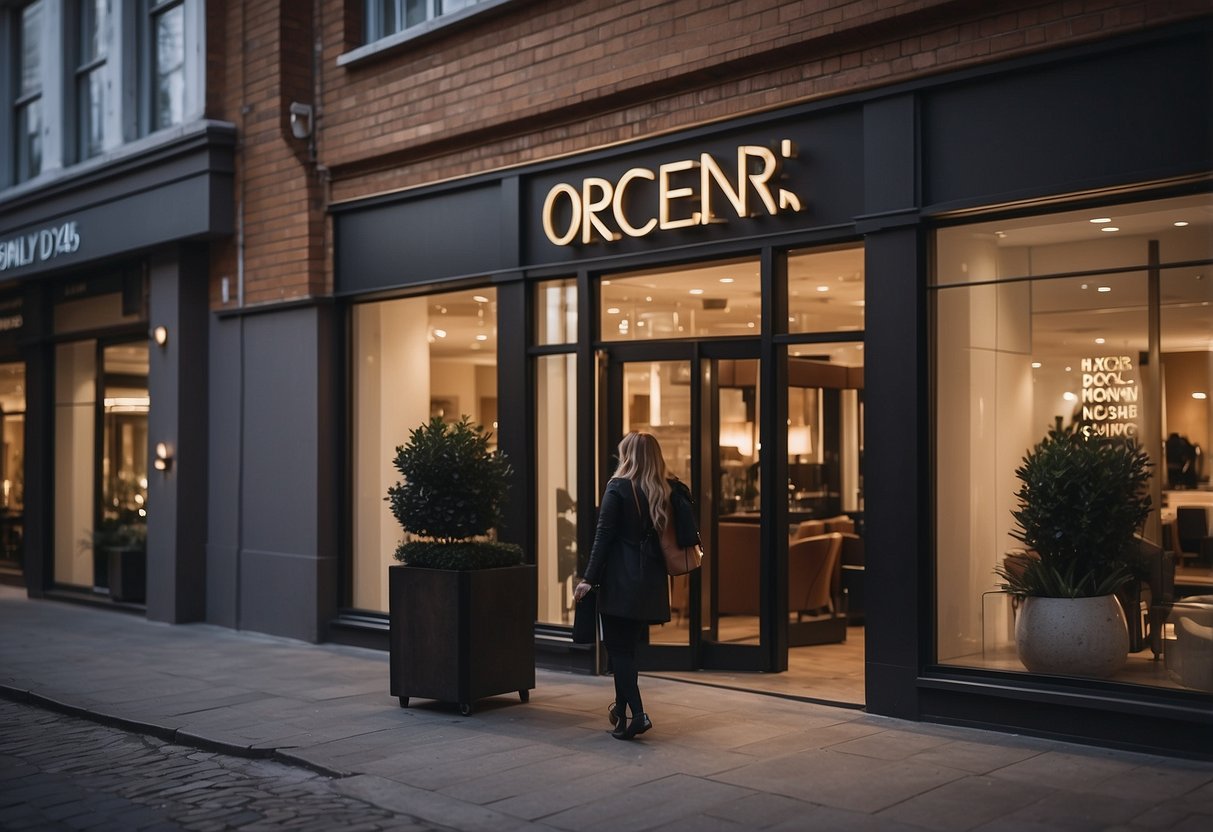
(554, 77)
(263, 62)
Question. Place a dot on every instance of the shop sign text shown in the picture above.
(39, 246)
(1110, 396)
(688, 193)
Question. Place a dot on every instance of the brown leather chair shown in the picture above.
(809, 528)
(814, 574)
(736, 561)
(841, 523)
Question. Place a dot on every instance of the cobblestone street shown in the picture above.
(60, 772)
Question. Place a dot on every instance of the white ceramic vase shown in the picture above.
(1072, 636)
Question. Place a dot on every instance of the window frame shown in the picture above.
(151, 11)
(22, 102)
(82, 68)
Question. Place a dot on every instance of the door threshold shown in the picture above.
(728, 681)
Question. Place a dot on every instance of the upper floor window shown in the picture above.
(28, 104)
(386, 17)
(91, 48)
(167, 62)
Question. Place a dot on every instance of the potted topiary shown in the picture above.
(462, 605)
(1081, 501)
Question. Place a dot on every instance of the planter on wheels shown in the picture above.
(462, 635)
(1072, 636)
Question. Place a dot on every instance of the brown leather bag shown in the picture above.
(679, 560)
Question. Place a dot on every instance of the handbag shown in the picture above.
(679, 560)
(585, 618)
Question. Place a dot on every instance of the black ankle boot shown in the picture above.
(613, 712)
(627, 729)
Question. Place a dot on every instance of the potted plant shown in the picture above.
(123, 545)
(462, 605)
(1081, 501)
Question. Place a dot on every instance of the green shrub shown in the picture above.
(1081, 501)
(452, 490)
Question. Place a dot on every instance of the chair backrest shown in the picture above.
(809, 528)
(1160, 568)
(841, 523)
(812, 564)
(1191, 524)
(736, 562)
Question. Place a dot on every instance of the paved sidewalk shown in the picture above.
(716, 759)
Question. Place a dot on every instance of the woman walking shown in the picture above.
(627, 568)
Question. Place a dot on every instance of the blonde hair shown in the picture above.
(640, 461)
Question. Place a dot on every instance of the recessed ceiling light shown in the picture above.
(612, 310)
(606, 283)
(1000, 235)
(648, 298)
(697, 291)
(1084, 285)
(482, 337)
(1100, 220)
(726, 280)
(1068, 396)
(1105, 288)
(1098, 340)
(1109, 228)
(1199, 394)
(750, 324)
(1035, 365)
(1181, 224)
(441, 333)
(480, 299)
(823, 288)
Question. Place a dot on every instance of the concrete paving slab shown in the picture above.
(964, 804)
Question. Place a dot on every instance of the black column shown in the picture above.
(38, 520)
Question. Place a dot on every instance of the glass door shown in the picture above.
(702, 408)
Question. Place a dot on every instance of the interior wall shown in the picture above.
(391, 384)
(75, 445)
(1186, 372)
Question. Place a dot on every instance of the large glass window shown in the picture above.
(28, 106)
(12, 464)
(386, 17)
(91, 48)
(168, 62)
(1046, 320)
(720, 299)
(556, 558)
(413, 358)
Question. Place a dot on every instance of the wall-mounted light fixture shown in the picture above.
(160, 335)
(164, 457)
(301, 120)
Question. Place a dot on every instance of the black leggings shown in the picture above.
(620, 637)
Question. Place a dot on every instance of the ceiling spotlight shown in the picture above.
(1200, 394)
(1105, 288)
(726, 280)
(697, 291)
(480, 299)
(1181, 224)
(1109, 228)
(823, 288)
(1068, 396)
(440, 333)
(485, 338)
(1098, 340)
(612, 310)
(1035, 365)
(1100, 220)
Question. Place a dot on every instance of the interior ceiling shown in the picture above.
(826, 293)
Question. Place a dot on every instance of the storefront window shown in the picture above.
(12, 464)
(556, 484)
(719, 299)
(556, 312)
(825, 291)
(1045, 321)
(75, 454)
(413, 358)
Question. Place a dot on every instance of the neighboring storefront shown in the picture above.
(103, 356)
(872, 305)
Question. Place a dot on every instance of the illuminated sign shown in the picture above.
(600, 210)
(39, 246)
(1110, 396)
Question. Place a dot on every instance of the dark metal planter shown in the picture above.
(459, 636)
(126, 567)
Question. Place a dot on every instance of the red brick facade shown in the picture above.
(548, 78)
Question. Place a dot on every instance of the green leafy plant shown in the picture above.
(1081, 501)
(451, 493)
(115, 534)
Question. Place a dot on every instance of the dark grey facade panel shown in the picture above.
(1131, 115)
(223, 465)
(452, 234)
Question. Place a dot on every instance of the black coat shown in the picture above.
(628, 570)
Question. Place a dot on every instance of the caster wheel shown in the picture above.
(465, 708)
(524, 695)
(404, 701)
